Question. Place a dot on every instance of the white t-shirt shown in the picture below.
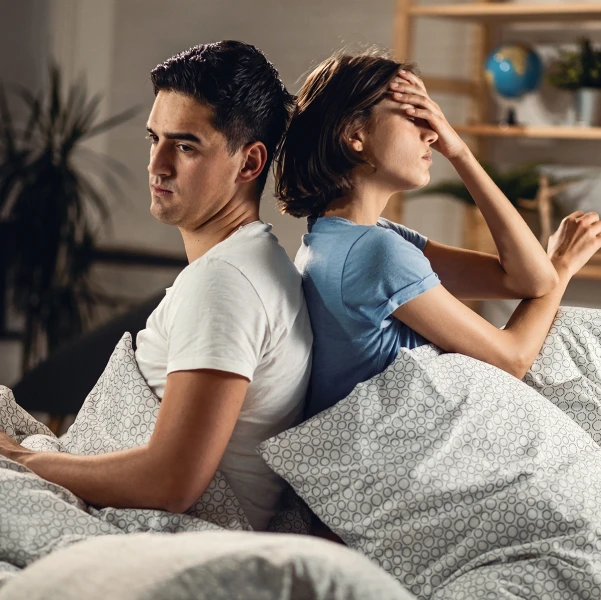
(239, 308)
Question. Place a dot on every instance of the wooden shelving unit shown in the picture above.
(528, 131)
(509, 12)
(486, 16)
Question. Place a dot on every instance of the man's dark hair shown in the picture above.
(249, 101)
(315, 161)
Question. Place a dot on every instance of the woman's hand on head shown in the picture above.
(409, 90)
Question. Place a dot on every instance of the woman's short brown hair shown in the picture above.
(315, 161)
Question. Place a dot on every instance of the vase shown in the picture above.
(588, 107)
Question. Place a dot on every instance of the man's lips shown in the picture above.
(428, 156)
(157, 191)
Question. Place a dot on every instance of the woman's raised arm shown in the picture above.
(521, 256)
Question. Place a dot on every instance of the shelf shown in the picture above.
(510, 12)
(534, 131)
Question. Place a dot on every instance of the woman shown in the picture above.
(365, 128)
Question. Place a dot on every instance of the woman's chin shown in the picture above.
(418, 184)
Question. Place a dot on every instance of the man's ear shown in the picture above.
(255, 158)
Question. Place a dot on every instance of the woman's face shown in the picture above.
(398, 146)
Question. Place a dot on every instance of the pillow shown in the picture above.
(567, 370)
(204, 566)
(120, 413)
(456, 478)
(292, 515)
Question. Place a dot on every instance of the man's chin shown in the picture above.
(162, 213)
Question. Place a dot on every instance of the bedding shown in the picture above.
(219, 565)
(38, 517)
(460, 480)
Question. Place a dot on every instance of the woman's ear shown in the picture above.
(355, 139)
(255, 158)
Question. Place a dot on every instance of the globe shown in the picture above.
(513, 70)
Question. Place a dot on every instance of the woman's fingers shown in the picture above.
(421, 113)
(412, 78)
(411, 94)
(416, 100)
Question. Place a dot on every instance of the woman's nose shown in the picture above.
(431, 135)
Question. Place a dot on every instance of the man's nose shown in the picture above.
(160, 162)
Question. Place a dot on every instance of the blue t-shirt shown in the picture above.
(354, 278)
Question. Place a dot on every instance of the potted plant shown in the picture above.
(520, 185)
(579, 71)
(54, 204)
(529, 187)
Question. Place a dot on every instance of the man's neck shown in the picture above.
(199, 241)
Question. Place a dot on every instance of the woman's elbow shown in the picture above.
(544, 284)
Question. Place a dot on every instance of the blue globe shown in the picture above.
(513, 70)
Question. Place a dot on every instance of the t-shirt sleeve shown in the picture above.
(216, 320)
(417, 239)
(383, 271)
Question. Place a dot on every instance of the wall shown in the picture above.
(117, 43)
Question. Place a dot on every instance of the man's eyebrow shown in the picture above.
(187, 137)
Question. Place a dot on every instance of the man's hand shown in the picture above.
(410, 91)
(11, 449)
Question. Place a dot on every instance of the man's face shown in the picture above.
(192, 173)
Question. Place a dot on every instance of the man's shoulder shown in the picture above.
(261, 259)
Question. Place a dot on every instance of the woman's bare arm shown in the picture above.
(472, 275)
(520, 254)
(443, 320)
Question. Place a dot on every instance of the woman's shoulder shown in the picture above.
(410, 235)
(384, 243)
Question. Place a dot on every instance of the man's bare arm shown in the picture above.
(195, 422)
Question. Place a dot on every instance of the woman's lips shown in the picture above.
(428, 157)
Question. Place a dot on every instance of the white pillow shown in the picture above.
(204, 566)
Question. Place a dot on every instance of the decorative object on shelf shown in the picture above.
(512, 71)
(579, 71)
(53, 196)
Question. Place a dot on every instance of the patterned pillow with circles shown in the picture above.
(120, 413)
(457, 478)
(567, 371)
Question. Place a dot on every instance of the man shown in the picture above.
(229, 347)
